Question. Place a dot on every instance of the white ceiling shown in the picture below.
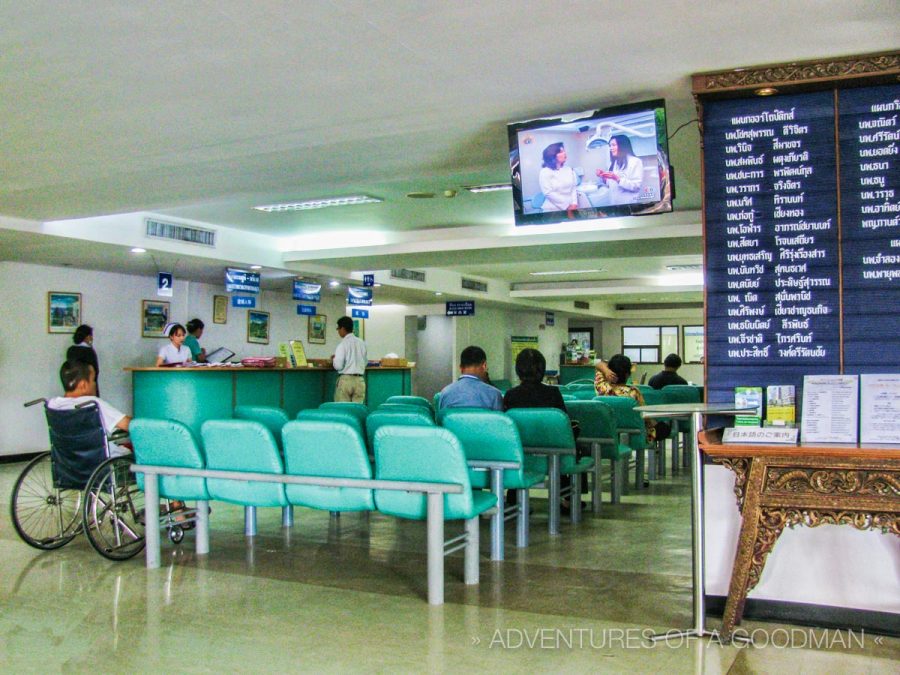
(200, 110)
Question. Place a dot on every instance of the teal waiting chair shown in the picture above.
(380, 418)
(404, 407)
(490, 436)
(247, 446)
(164, 442)
(656, 397)
(436, 401)
(433, 455)
(568, 397)
(585, 394)
(598, 430)
(329, 449)
(546, 435)
(358, 409)
(441, 414)
(334, 415)
(502, 384)
(630, 425)
(572, 387)
(681, 393)
(410, 400)
(271, 417)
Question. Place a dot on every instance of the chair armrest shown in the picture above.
(491, 464)
(549, 451)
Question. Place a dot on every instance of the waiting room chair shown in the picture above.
(434, 455)
(358, 409)
(598, 430)
(411, 400)
(630, 425)
(330, 449)
(243, 445)
(547, 438)
(380, 418)
(334, 415)
(404, 407)
(271, 417)
(486, 436)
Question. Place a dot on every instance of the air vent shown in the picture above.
(408, 275)
(472, 285)
(190, 235)
(581, 304)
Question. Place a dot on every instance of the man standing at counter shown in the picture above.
(350, 359)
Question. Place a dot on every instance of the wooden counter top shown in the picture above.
(711, 444)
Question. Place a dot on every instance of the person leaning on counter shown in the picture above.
(350, 359)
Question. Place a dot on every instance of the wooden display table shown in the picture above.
(812, 485)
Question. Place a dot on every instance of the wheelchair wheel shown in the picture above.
(44, 516)
(114, 510)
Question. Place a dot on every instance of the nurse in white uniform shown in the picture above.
(626, 172)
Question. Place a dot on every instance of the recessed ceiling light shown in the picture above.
(493, 187)
(334, 284)
(766, 91)
(138, 249)
(319, 203)
(544, 274)
(255, 267)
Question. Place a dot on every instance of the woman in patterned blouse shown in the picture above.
(606, 383)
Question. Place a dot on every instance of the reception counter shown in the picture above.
(194, 395)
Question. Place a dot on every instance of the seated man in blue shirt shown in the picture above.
(471, 390)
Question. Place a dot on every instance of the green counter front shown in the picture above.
(194, 395)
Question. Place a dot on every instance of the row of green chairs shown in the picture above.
(321, 449)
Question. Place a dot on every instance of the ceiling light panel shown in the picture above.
(319, 203)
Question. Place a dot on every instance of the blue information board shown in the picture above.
(306, 310)
(357, 295)
(368, 279)
(243, 301)
(306, 291)
(359, 313)
(241, 281)
(772, 260)
(870, 228)
(461, 308)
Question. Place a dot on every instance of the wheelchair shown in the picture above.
(79, 486)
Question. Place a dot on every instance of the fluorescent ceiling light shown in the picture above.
(681, 279)
(334, 284)
(684, 268)
(138, 249)
(493, 187)
(255, 267)
(545, 274)
(319, 203)
(438, 293)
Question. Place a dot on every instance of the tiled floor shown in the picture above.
(348, 594)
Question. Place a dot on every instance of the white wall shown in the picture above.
(111, 303)
(612, 342)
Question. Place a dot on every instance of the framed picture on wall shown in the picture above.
(257, 327)
(318, 324)
(63, 312)
(220, 309)
(154, 317)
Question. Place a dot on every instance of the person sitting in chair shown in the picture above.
(471, 390)
(670, 373)
(79, 383)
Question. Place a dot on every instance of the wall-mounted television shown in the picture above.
(592, 164)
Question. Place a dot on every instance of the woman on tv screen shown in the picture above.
(626, 172)
(557, 181)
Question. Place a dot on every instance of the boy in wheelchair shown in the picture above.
(79, 383)
(80, 386)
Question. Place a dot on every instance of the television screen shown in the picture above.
(594, 164)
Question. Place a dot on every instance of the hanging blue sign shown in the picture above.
(306, 310)
(243, 301)
(359, 296)
(549, 319)
(461, 308)
(359, 313)
(241, 281)
(368, 279)
(164, 284)
(307, 291)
